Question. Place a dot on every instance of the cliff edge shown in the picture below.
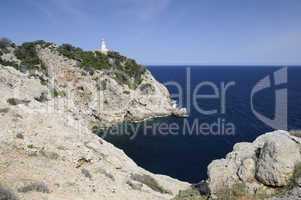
(52, 98)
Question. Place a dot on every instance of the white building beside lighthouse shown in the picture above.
(103, 48)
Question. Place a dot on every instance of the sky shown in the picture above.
(165, 32)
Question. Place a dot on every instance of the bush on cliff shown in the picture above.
(124, 70)
(127, 71)
(8, 63)
(27, 53)
(5, 43)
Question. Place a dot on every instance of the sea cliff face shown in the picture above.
(47, 115)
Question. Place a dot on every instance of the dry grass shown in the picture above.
(6, 194)
(36, 186)
(296, 133)
(190, 194)
(150, 182)
(239, 192)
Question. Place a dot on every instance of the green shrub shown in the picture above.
(42, 43)
(57, 93)
(70, 51)
(88, 59)
(124, 70)
(127, 71)
(9, 63)
(5, 42)
(30, 60)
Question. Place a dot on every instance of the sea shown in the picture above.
(226, 104)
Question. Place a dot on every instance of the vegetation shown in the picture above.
(124, 70)
(8, 63)
(36, 186)
(236, 192)
(6, 194)
(27, 53)
(56, 93)
(127, 70)
(15, 101)
(4, 110)
(150, 182)
(190, 194)
(296, 133)
(88, 59)
(5, 43)
(293, 182)
(239, 192)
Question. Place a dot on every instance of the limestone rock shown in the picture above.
(222, 175)
(277, 161)
(246, 171)
(58, 149)
(263, 165)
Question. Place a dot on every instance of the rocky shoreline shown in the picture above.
(48, 149)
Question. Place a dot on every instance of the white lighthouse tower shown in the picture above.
(104, 48)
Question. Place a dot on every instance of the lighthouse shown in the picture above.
(103, 48)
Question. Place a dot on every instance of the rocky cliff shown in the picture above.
(54, 97)
(49, 106)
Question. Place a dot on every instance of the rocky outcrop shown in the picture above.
(103, 97)
(265, 166)
(47, 149)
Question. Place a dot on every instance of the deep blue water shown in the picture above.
(186, 157)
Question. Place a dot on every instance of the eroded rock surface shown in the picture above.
(265, 166)
(47, 149)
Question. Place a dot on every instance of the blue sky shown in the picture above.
(165, 31)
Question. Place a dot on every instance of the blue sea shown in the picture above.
(186, 156)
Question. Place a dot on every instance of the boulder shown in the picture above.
(277, 161)
(222, 175)
(267, 163)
